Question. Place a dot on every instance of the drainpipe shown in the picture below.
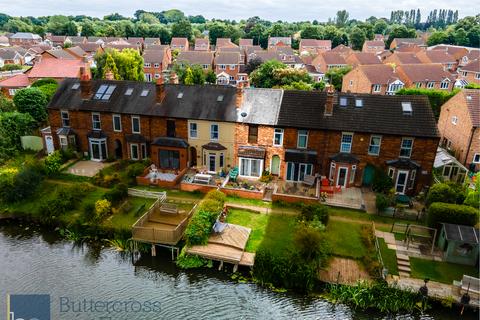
(469, 145)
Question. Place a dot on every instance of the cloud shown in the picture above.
(292, 10)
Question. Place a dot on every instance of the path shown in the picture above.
(343, 271)
(403, 261)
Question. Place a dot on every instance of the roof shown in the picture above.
(364, 58)
(26, 35)
(195, 57)
(341, 48)
(403, 163)
(199, 42)
(380, 114)
(76, 39)
(135, 138)
(473, 66)
(153, 56)
(57, 38)
(378, 73)
(170, 142)
(276, 40)
(77, 51)
(56, 68)
(150, 41)
(213, 146)
(374, 43)
(89, 46)
(179, 41)
(333, 58)
(439, 56)
(227, 58)
(224, 42)
(301, 156)
(425, 72)
(405, 57)
(7, 54)
(315, 43)
(260, 106)
(17, 81)
(443, 158)
(458, 232)
(417, 41)
(61, 54)
(251, 152)
(245, 42)
(472, 98)
(344, 157)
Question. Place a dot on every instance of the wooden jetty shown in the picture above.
(227, 246)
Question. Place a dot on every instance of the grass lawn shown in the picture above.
(389, 257)
(345, 239)
(444, 272)
(279, 233)
(125, 220)
(253, 220)
(249, 202)
(360, 215)
(194, 196)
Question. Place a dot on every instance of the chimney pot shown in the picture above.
(239, 95)
(109, 75)
(160, 91)
(329, 101)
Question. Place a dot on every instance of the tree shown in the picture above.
(13, 125)
(56, 24)
(128, 62)
(357, 38)
(49, 90)
(114, 17)
(149, 18)
(17, 25)
(110, 66)
(275, 74)
(88, 29)
(399, 31)
(32, 101)
(211, 77)
(335, 76)
(311, 32)
(182, 29)
(188, 80)
(173, 15)
(42, 82)
(70, 29)
(253, 64)
(6, 105)
(263, 77)
(437, 37)
(342, 18)
(215, 31)
(190, 74)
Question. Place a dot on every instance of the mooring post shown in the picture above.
(220, 266)
(172, 254)
(235, 268)
(153, 250)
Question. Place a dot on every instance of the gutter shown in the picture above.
(469, 145)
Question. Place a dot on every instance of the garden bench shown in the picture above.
(169, 208)
(202, 178)
(473, 282)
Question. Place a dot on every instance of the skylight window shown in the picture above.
(144, 92)
(407, 108)
(104, 92)
(129, 92)
(343, 101)
(76, 86)
(180, 95)
(220, 98)
(358, 103)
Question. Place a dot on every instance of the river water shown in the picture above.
(81, 280)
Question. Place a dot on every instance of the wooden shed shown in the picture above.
(459, 243)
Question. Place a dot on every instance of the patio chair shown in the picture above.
(234, 174)
(309, 180)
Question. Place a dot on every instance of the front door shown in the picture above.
(275, 169)
(342, 177)
(49, 144)
(98, 149)
(211, 162)
(401, 183)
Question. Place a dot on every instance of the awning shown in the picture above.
(214, 146)
(135, 138)
(403, 163)
(64, 131)
(96, 134)
(300, 156)
(251, 152)
(343, 157)
(170, 142)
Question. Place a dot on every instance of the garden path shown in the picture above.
(343, 271)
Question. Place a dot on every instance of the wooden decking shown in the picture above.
(228, 246)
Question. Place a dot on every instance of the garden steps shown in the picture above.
(404, 268)
(403, 262)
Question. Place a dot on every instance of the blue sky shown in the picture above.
(292, 10)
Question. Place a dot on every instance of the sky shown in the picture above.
(286, 10)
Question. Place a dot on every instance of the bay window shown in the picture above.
(250, 167)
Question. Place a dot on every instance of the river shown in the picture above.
(36, 261)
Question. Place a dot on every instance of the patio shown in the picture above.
(197, 177)
(347, 198)
(87, 168)
(296, 189)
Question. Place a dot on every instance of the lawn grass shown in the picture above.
(345, 239)
(444, 272)
(249, 202)
(361, 215)
(389, 257)
(125, 220)
(174, 192)
(278, 238)
(253, 220)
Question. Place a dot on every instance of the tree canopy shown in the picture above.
(125, 65)
(33, 102)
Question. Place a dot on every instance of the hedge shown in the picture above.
(439, 212)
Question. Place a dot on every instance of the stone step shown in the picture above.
(402, 257)
(404, 268)
(404, 274)
(403, 263)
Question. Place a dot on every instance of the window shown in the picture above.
(250, 167)
(157, 75)
(391, 172)
(156, 65)
(376, 88)
(455, 120)
(193, 130)
(418, 85)
(65, 118)
(278, 137)
(477, 75)
(343, 101)
(232, 78)
(351, 82)
(223, 67)
(220, 98)
(147, 65)
(148, 77)
(374, 147)
(117, 123)
(206, 66)
(214, 132)
(346, 144)
(332, 171)
(134, 151)
(430, 85)
(221, 160)
(104, 92)
(298, 171)
(171, 130)
(302, 139)
(232, 67)
(180, 95)
(144, 151)
(352, 173)
(252, 133)
(358, 103)
(444, 85)
(407, 108)
(63, 142)
(135, 124)
(129, 91)
(12, 91)
(169, 159)
(406, 147)
(75, 86)
(476, 158)
(96, 121)
(144, 92)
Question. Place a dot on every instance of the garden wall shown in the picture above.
(143, 181)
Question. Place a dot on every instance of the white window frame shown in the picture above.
(213, 131)
(232, 67)
(402, 148)
(190, 130)
(67, 118)
(331, 174)
(157, 76)
(147, 65)
(345, 134)
(430, 85)
(476, 155)
(391, 172)
(156, 65)
(454, 120)
(418, 85)
(249, 167)
(206, 66)
(131, 151)
(444, 85)
(63, 141)
(94, 122)
(353, 172)
(370, 145)
(279, 132)
(477, 75)
(12, 92)
(120, 122)
(377, 88)
(223, 67)
(139, 124)
(303, 133)
(221, 160)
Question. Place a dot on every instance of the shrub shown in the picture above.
(211, 205)
(190, 261)
(32, 101)
(310, 243)
(117, 194)
(103, 207)
(310, 212)
(53, 162)
(43, 81)
(89, 212)
(135, 169)
(381, 181)
(441, 192)
(451, 213)
(216, 195)
(472, 199)
(19, 185)
(382, 202)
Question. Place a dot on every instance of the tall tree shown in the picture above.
(341, 18)
(32, 101)
(183, 29)
(357, 38)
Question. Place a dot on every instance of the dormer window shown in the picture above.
(180, 95)
(129, 92)
(444, 85)
(220, 98)
(76, 86)
(144, 92)
(104, 92)
(430, 85)
(358, 103)
(407, 108)
(343, 101)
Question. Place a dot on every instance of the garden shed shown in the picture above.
(459, 243)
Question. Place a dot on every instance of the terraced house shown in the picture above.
(341, 137)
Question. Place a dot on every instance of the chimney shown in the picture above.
(109, 75)
(239, 95)
(85, 58)
(173, 78)
(160, 87)
(85, 83)
(329, 101)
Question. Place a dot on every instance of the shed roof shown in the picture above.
(461, 233)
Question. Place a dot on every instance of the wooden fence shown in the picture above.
(161, 195)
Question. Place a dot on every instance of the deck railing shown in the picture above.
(161, 195)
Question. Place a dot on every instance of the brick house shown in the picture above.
(373, 46)
(279, 42)
(471, 71)
(328, 60)
(58, 69)
(9, 86)
(343, 50)
(151, 42)
(58, 41)
(399, 58)
(373, 79)
(438, 56)
(224, 43)
(201, 58)
(180, 44)
(459, 126)
(155, 61)
(24, 39)
(227, 68)
(315, 46)
(425, 76)
(9, 56)
(202, 44)
(362, 58)
(456, 51)
(243, 43)
(400, 42)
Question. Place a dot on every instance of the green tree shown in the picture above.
(110, 66)
(129, 64)
(49, 90)
(311, 32)
(437, 37)
(461, 38)
(263, 77)
(216, 30)
(17, 25)
(183, 29)
(149, 18)
(32, 101)
(211, 77)
(56, 24)
(342, 18)
(275, 74)
(188, 80)
(13, 125)
(70, 29)
(173, 15)
(335, 76)
(380, 26)
(43, 81)
(6, 105)
(357, 38)
(88, 29)
(400, 31)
